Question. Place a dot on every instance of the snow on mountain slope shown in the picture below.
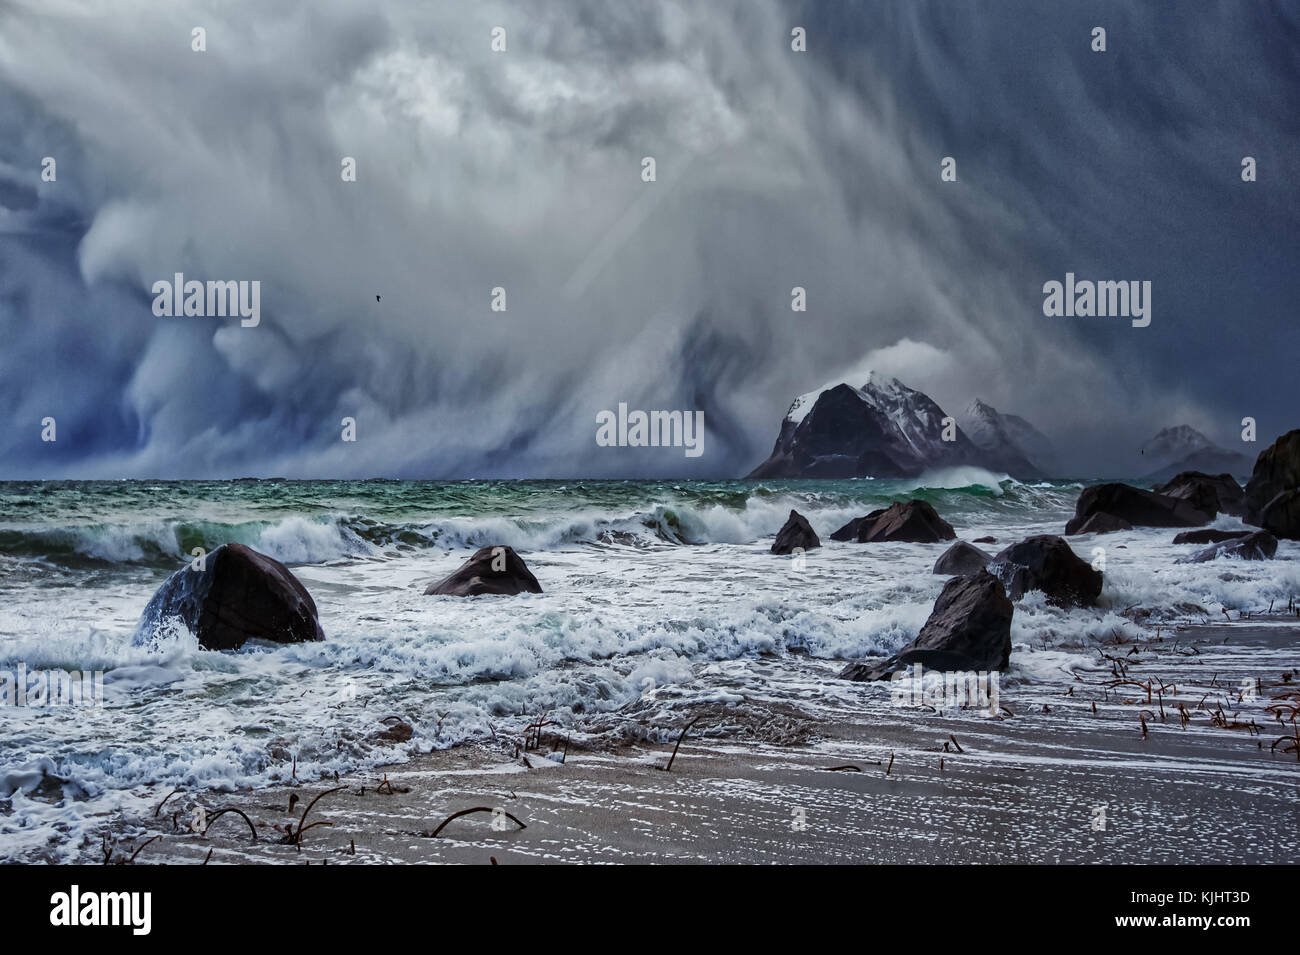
(881, 429)
(1007, 435)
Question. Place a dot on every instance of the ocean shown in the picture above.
(658, 594)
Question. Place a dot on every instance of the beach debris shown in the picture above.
(164, 802)
(466, 812)
(294, 837)
(1292, 742)
(890, 768)
(107, 849)
(533, 732)
(221, 812)
(388, 789)
(685, 730)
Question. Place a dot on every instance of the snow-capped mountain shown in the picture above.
(882, 429)
(1008, 436)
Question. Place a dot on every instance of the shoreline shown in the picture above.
(1052, 783)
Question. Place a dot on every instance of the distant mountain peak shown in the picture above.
(1007, 436)
(1183, 448)
(1177, 442)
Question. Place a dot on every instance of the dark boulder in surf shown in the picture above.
(849, 532)
(1100, 523)
(1210, 493)
(911, 521)
(960, 559)
(237, 594)
(1277, 469)
(1047, 563)
(1261, 545)
(498, 571)
(796, 534)
(1208, 535)
(968, 629)
(1281, 515)
(1140, 508)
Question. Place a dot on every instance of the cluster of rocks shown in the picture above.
(1104, 508)
(236, 594)
(969, 628)
(1270, 501)
(912, 521)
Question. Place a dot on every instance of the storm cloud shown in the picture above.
(522, 170)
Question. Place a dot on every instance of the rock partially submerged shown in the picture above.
(1208, 535)
(1047, 563)
(1140, 508)
(961, 559)
(912, 521)
(1101, 523)
(969, 629)
(1261, 545)
(796, 534)
(496, 570)
(1211, 494)
(1277, 470)
(237, 594)
(1281, 515)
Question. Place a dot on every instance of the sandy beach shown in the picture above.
(1048, 781)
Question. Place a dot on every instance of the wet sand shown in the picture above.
(1050, 781)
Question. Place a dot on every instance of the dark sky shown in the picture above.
(521, 169)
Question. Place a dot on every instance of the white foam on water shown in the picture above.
(626, 614)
